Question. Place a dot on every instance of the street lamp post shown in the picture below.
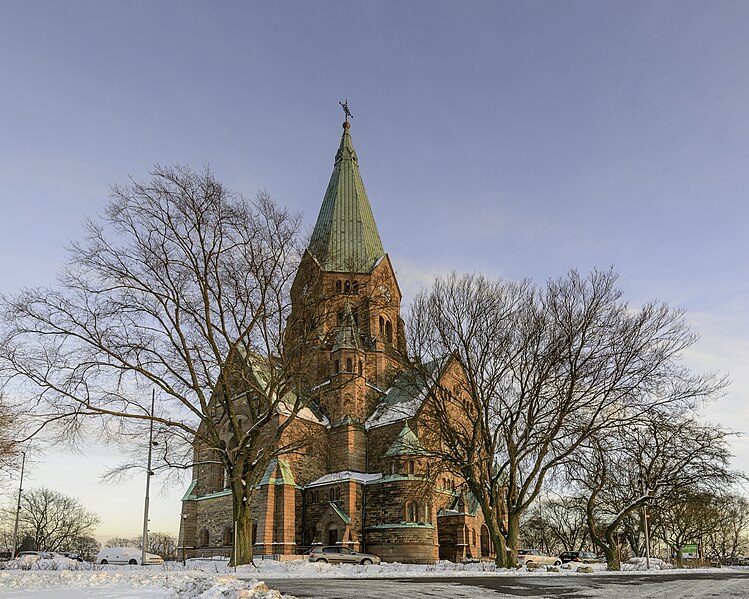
(646, 489)
(149, 473)
(18, 509)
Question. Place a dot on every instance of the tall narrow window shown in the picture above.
(338, 286)
(382, 325)
(347, 287)
(355, 288)
(389, 331)
(412, 511)
(336, 367)
(411, 467)
(349, 365)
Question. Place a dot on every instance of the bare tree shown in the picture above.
(727, 527)
(86, 547)
(645, 465)
(160, 543)
(181, 288)
(54, 521)
(9, 447)
(556, 524)
(681, 520)
(545, 369)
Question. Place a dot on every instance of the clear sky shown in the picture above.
(517, 139)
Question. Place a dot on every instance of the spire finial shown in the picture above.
(347, 112)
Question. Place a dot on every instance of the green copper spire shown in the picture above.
(345, 237)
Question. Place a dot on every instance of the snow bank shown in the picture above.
(640, 563)
(169, 585)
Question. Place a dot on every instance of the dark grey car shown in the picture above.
(341, 555)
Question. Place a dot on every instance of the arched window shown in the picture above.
(382, 325)
(389, 331)
(349, 365)
(336, 367)
(338, 286)
(227, 535)
(355, 288)
(347, 287)
(361, 368)
(486, 542)
(411, 467)
(203, 538)
(412, 511)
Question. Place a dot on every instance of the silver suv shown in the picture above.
(341, 555)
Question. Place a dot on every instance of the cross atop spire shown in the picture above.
(346, 111)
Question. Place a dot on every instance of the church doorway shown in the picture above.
(332, 536)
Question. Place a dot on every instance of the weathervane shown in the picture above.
(346, 111)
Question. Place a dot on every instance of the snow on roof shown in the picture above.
(361, 477)
(309, 412)
(405, 396)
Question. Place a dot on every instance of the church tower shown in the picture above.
(349, 277)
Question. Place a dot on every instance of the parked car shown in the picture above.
(126, 555)
(72, 555)
(536, 557)
(33, 556)
(341, 555)
(586, 557)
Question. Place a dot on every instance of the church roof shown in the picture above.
(345, 237)
(406, 444)
(404, 398)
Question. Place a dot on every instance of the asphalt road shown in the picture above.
(714, 584)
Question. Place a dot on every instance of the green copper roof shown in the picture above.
(345, 237)
(278, 472)
(407, 443)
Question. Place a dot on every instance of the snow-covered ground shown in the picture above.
(213, 579)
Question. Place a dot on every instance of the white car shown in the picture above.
(526, 557)
(127, 555)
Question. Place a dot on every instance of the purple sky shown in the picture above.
(518, 139)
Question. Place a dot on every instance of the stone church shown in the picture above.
(372, 489)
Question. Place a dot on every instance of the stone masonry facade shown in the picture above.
(369, 485)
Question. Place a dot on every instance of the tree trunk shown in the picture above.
(679, 556)
(513, 534)
(242, 545)
(610, 550)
